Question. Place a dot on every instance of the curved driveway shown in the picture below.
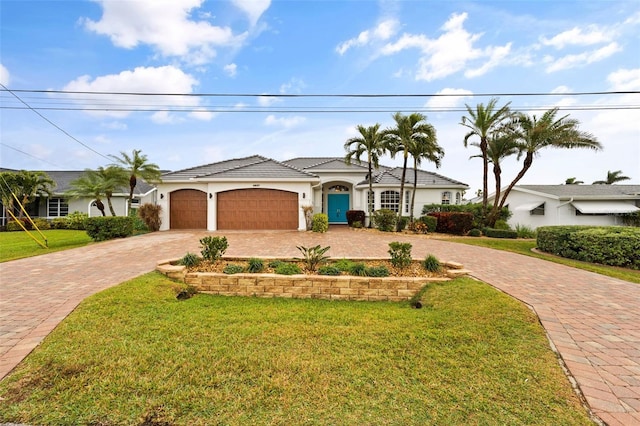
(592, 321)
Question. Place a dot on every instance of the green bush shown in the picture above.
(475, 232)
(320, 222)
(525, 232)
(607, 245)
(213, 247)
(285, 268)
(59, 223)
(313, 256)
(343, 264)
(233, 269)
(355, 216)
(358, 270)
(431, 264)
(453, 222)
(150, 215)
(384, 220)
(400, 254)
(474, 209)
(377, 271)
(255, 265)
(430, 221)
(189, 260)
(356, 224)
(328, 270)
(42, 224)
(500, 233)
(418, 227)
(77, 221)
(103, 228)
(501, 224)
(14, 225)
(274, 264)
(401, 223)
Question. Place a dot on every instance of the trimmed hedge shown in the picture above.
(103, 228)
(475, 209)
(453, 222)
(430, 221)
(355, 216)
(606, 245)
(500, 233)
(320, 222)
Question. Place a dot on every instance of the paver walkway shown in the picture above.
(593, 321)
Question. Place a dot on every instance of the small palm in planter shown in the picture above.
(313, 256)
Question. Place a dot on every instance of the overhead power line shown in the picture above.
(29, 155)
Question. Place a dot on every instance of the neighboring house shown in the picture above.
(543, 205)
(261, 193)
(59, 205)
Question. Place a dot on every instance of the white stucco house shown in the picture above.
(544, 205)
(60, 205)
(261, 193)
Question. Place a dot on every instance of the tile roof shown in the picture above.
(587, 191)
(393, 176)
(253, 167)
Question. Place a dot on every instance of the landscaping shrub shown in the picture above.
(453, 222)
(285, 268)
(77, 220)
(474, 209)
(103, 228)
(313, 256)
(213, 247)
(343, 264)
(320, 222)
(475, 232)
(402, 222)
(500, 233)
(15, 226)
(377, 271)
(189, 260)
(430, 221)
(42, 224)
(501, 224)
(384, 220)
(631, 219)
(355, 216)
(607, 245)
(525, 232)
(150, 214)
(357, 224)
(233, 269)
(59, 223)
(255, 265)
(400, 254)
(431, 263)
(358, 270)
(418, 227)
(274, 264)
(328, 270)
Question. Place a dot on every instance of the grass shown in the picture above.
(524, 246)
(133, 354)
(16, 245)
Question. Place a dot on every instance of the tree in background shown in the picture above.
(572, 181)
(137, 166)
(26, 185)
(111, 178)
(424, 148)
(88, 185)
(612, 177)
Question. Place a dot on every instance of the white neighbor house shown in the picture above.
(544, 205)
(260, 193)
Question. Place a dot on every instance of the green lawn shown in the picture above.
(524, 246)
(16, 245)
(134, 354)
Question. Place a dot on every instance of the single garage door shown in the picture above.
(188, 209)
(257, 209)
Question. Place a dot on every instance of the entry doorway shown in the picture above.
(337, 206)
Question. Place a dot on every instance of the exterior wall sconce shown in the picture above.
(161, 196)
(210, 195)
(304, 195)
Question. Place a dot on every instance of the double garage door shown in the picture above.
(242, 209)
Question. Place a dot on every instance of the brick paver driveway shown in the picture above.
(593, 321)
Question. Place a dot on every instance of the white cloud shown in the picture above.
(166, 79)
(454, 98)
(115, 125)
(381, 32)
(231, 69)
(561, 89)
(266, 101)
(625, 80)
(253, 8)
(202, 114)
(4, 75)
(577, 36)
(581, 59)
(294, 85)
(286, 122)
(497, 55)
(166, 25)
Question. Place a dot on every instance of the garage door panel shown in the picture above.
(257, 209)
(188, 209)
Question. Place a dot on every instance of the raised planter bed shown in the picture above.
(342, 287)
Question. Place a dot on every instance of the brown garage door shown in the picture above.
(257, 209)
(188, 209)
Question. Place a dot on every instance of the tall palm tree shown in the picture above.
(572, 181)
(409, 130)
(137, 166)
(369, 142)
(26, 186)
(112, 178)
(612, 177)
(546, 132)
(426, 148)
(88, 185)
(482, 123)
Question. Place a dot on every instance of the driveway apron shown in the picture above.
(592, 321)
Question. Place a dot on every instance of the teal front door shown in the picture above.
(338, 204)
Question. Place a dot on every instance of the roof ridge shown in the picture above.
(239, 166)
(211, 164)
(283, 163)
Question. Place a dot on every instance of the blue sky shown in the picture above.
(311, 47)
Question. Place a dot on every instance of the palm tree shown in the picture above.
(612, 177)
(88, 185)
(482, 123)
(424, 148)
(369, 142)
(137, 166)
(26, 186)
(409, 130)
(572, 181)
(112, 178)
(547, 132)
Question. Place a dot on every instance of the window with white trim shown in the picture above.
(407, 201)
(57, 207)
(458, 198)
(538, 211)
(371, 200)
(390, 200)
(446, 197)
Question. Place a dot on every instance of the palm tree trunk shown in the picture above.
(132, 185)
(110, 204)
(100, 206)
(401, 201)
(370, 196)
(415, 187)
(485, 176)
(526, 165)
(493, 214)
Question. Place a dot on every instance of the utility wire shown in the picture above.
(30, 155)
(52, 123)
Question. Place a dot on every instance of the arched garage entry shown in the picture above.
(188, 209)
(247, 209)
